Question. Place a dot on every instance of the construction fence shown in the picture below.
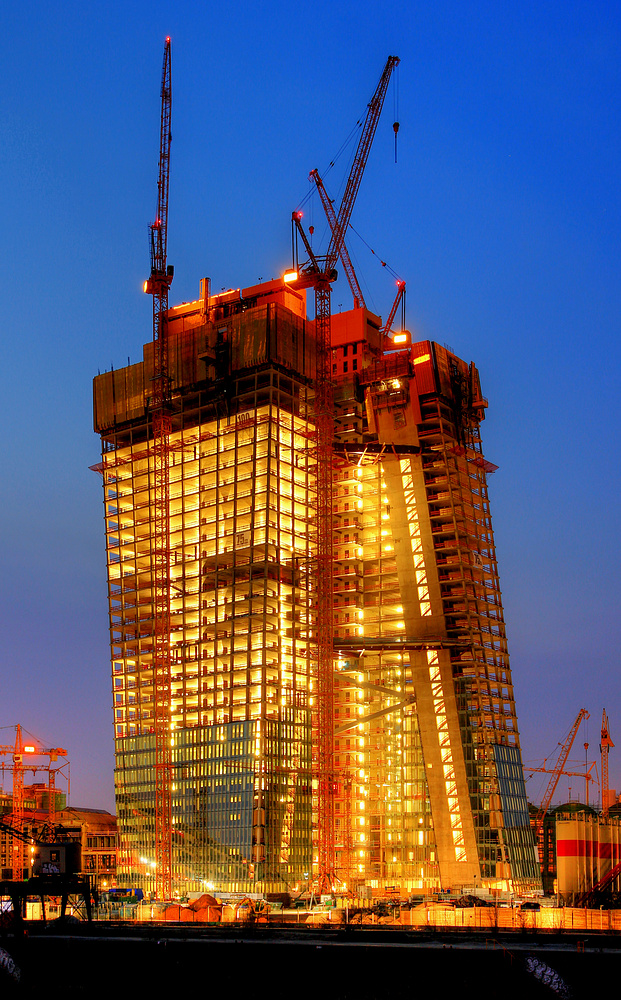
(555, 920)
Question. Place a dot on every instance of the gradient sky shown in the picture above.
(502, 214)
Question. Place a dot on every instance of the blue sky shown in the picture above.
(502, 214)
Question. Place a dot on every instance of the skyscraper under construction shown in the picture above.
(427, 777)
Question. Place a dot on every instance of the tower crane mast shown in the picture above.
(319, 274)
(604, 746)
(157, 285)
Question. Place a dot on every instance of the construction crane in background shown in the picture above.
(586, 774)
(556, 774)
(157, 285)
(21, 751)
(319, 273)
(604, 746)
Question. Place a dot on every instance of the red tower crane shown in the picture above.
(19, 751)
(604, 746)
(556, 774)
(157, 285)
(339, 225)
(319, 273)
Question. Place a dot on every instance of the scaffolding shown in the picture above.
(241, 511)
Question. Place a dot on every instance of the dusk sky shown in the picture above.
(503, 215)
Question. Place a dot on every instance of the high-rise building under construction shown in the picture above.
(427, 777)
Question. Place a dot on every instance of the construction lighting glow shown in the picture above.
(29, 750)
(252, 676)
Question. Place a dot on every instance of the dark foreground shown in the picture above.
(337, 963)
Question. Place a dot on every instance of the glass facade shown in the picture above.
(516, 831)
